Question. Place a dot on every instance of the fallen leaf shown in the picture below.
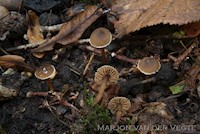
(158, 108)
(34, 32)
(15, 61)
(77, 33)
(192, 29)
(137, 14)
(176, 89)
(71, 30)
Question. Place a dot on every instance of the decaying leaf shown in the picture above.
(6, 93)
(34, 33)
(15, 61)
(76, 34)
(175, 89)
(192, 29)
(72, 30)
(137, 14)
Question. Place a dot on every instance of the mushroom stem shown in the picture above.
(50, 85)
(118, 117)
(101, 91)
(104, 60)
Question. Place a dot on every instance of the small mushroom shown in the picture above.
(101, 38)
(149, 65)
(119, 107)
(46, 72)
(105, 76)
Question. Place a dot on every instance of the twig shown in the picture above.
(57, 96)
(4, 51)
(81, 41)
(53, 28)
(89, 62)
(144, 81)
(177, 61)
(32, 45)
(46, 104)
(113, 54)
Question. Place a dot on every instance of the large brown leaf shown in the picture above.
(137, 14)
(15, 61)
(74, 27)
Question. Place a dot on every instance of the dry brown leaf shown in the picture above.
(34, 33)
(137, 14)
(77, 33)
(192, 29)
(75, 27)
(11, 61)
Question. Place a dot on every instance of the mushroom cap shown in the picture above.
(45, 71)
(100, 38)
(106, 71)
(119, 103)
(149, 65)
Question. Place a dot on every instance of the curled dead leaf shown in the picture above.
(34, 32)
(72, 30)
(192, 29)
(15, 61)
(134, 14)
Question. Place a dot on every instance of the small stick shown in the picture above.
(4, 51)
(67, 104)
(89, 62)
(120, 57)
(81, 41)
(177, 61)
(32, 45)
(144, 81)
(53, 28)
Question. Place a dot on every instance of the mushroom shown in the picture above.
(105, 76)
(101, 38)
(149, 65)
(46, 72)
(119, 107)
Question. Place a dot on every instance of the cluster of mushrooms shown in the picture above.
(106, 76)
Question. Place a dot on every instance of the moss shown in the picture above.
(92, 116)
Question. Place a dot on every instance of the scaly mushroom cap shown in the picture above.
(100, 38)
(106, 71)
(45, 71)
(121, 104)
(149, 65)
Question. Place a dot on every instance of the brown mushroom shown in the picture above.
(119, 107)
(149, 65)
(46, 72)
(105, 76)
(101, 38)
